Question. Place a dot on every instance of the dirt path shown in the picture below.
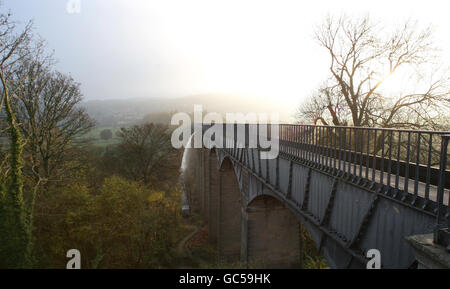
(181, 248)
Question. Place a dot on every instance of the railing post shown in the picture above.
(235, 136)
(442, 230)
(224, 136)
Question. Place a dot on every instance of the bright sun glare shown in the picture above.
(394, 83)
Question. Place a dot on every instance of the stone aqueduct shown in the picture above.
(254, 208)
(243, 227)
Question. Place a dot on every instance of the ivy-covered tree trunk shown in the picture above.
(3, 232)
(15, 230)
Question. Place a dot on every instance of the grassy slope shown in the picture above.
(94, 135)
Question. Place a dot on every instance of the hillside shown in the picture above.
(117, 112)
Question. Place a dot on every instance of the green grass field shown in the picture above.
(94, 136)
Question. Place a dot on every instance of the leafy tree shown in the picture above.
(106, 134)
(120, 205)
(63, 221)
(137, 226)
(122, 225)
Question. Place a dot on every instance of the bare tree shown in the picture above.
(145, 153)
(48, 107)
(363, 57)
(43, 119)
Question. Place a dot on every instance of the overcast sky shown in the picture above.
(143, 48)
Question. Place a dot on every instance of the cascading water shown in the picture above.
(183, 170)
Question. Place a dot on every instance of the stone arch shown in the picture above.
(213, 195)
(272, 236)
(206, 183)
(229, 212)
(313, 235)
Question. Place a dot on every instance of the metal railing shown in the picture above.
(385, 156)
(442, 232)
(410, 164)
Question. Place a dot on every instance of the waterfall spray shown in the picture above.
(183, 170)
